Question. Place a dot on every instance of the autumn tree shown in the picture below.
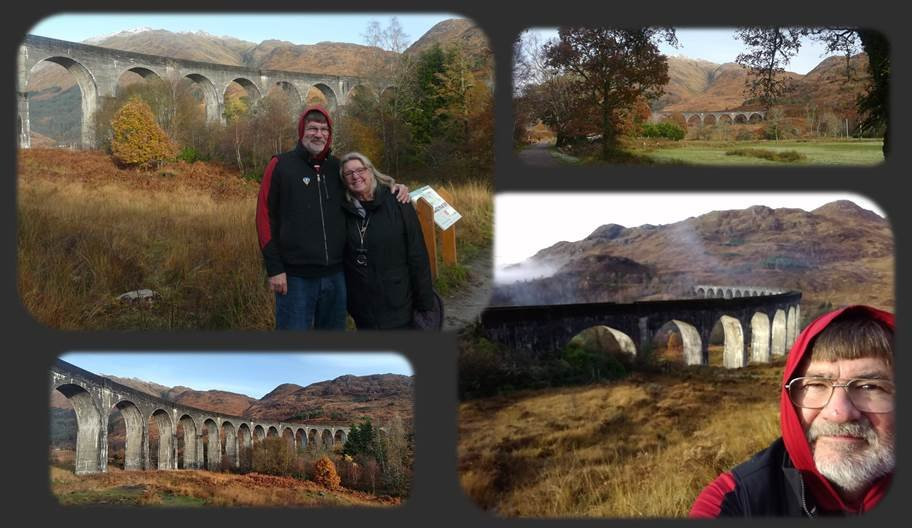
(770, 50)
(784, 42)
(137, 139)
(613, 67)
(325, 473)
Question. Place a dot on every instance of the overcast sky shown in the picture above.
(298, 28)
(719, 45)
(251, 374)
(524, 223)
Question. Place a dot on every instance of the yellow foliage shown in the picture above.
(138, 140)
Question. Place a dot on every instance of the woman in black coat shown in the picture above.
(387, 273)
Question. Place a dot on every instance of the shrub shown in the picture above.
(137, 139)
(189, 154)
(325, 474)
(787, 156)
(662, 130)
(274, 456)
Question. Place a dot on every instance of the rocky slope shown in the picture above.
(838, 253)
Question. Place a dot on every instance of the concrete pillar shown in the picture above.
(734, 355)
(778, 342)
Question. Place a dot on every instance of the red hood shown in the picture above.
(793, 434)
(325, 152)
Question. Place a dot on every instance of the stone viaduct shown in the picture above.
(766, 325)
(705, 117)
(713, 291)
(97, 71)
(207, 436)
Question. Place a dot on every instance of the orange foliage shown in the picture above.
(325, 474)
(138, 140)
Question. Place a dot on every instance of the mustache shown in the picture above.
(859, 429)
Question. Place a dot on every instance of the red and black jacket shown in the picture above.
(783, 480)
(299, 218)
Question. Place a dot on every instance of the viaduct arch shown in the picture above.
(715, 117)
(767, 325)
(203, 432)
(97, 71)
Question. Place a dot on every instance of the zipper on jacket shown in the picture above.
(803, 501)
(322, 219)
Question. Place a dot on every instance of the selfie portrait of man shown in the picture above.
(836, 455)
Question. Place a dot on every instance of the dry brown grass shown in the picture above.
(147, 488)
(89, 232)
(643, 447)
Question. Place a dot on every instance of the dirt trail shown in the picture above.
(463, 307)
(538, 155)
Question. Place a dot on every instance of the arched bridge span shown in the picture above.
(94, 398)
(765, 325)
(97, 71)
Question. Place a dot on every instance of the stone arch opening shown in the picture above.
(245, 447)
(272, 432)
(288, 436)
(161, 433)
(791, 328)
(728, 293)
(777, 344)
(760, 338)
(211, 449)
(301, 439)
(187, 447)
(340, 437)
(694, 121)
(327, 439)
(240, 96)
(601, 351)
(678, 342)
(732, 353)
(701, 292)
(61, 115)
(125, 434)
(259, 434)
(755, 118)
(210, 95)
(131, 78)
(80, 434)
(709, 120)
(323, 95)
(290, 93)
(725, 119)
(229, 440)
(740, 119)
(312, 438)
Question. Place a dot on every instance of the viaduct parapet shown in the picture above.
(766, 325)
(207, 437)
(97, 71)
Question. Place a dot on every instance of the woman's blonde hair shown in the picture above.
(386, 180)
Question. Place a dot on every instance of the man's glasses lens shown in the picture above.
(868, 395)
(315, 130)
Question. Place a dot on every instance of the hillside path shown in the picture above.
(538, 155)
(463, 307)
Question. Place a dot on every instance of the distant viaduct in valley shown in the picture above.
(95, 398)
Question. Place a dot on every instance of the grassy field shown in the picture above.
(89, 232)
(199, 488)
(832, 152)
(641, 447)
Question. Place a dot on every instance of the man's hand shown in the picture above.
(401, 193)
(279, 284)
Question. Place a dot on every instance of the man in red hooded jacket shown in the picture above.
(837, 450)
(301, 228)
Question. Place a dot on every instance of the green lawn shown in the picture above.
(833, 152)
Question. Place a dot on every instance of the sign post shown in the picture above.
(434, 208)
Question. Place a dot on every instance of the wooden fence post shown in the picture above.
(426, 218)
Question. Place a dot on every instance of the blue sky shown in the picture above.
(297, 27)
(252, 374)
(719, 45)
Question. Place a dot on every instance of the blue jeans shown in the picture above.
(312, 303)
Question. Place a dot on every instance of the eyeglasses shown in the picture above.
(316, 130)
(867, 395)
(359, 171)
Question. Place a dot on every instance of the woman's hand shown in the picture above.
(401, 192)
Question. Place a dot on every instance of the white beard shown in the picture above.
(853, 470)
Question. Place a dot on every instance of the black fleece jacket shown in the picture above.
(300, 221)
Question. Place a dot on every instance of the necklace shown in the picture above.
(362, 229)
